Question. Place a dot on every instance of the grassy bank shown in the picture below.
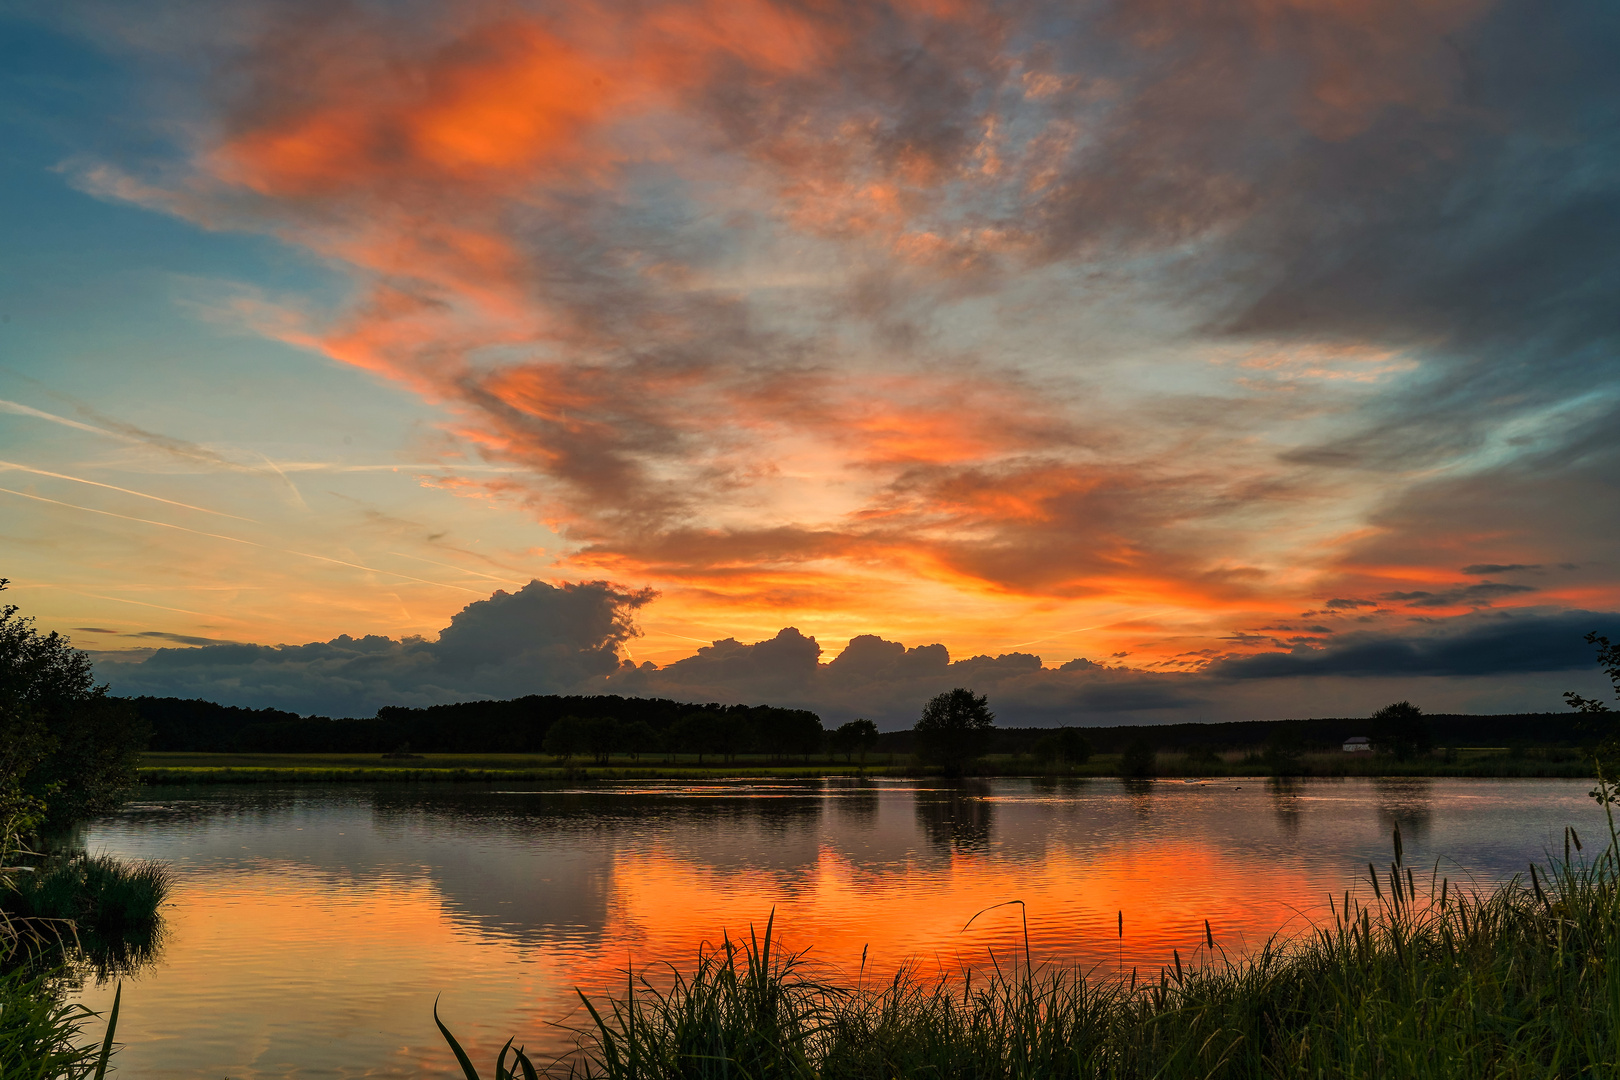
(1420, 982)
(188, 768)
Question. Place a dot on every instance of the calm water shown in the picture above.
(312, 928)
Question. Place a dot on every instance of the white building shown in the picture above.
(1357, 742)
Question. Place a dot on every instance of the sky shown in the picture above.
(1124, 360)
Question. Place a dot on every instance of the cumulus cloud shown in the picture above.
(571, 638)
(539, 639)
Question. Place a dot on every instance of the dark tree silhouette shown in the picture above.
(1601, 731)
(566, 737)
(1283, 748)
(602, 736)
(67, 750)
(1400, 731)
(637, 738)
(1064, 746)
(1140, 759)
(696, 733)
(1609, 661)
(954, 729)
(855, 737)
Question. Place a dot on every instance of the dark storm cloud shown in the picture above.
(1476, 595)
(1484, 569)
(1469, 646)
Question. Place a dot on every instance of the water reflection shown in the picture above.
(1287, 803)
(957, 818)
(312, 928)
(1407, 802)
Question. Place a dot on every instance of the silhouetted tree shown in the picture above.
(1140, 759)
(855, 737)
(696, 733)
(1065, 745)
(1400, 731)
(602, 735)
(67, 751)
(733, 733)
(566, 737)
(1284, 748)
(954, 729)
(638, 738)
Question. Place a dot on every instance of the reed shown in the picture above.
(1422, 980)
(96, 892)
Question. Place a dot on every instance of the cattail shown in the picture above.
(1122, 923)
(1397, 842)
(1209, 937)
(1177, 954)
(1576, 837)
(1373, 873)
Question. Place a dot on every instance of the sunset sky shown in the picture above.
(1262, 354)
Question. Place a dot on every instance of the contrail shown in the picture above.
(1083, 629)
(126, 491)
(462, 569)
(160, 607)
(239, 540)
(28, 410)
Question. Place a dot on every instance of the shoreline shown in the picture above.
(179, 769)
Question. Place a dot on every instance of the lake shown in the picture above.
(312, 928)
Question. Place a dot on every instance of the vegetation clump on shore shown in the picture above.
(1420, 981)
(67, 752)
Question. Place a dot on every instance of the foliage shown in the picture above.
(855, 737)
(39, 1033)
(1202, 755)
(954, 729)
(1601, 732)
(696, 733)
(1065, 746)
(101, 894)
(1140, 759)
(68, 751)
(1417, 982)
(565, 737)
(1284, 749)
(637, 738)
(1400, 731)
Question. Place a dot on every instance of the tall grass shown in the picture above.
(95, 891)
(40, 1034)
(1420, 981)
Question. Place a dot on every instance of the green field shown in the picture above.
(181, 768)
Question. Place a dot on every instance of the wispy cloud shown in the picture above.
(1196, 310)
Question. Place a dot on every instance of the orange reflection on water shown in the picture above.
(311, 937)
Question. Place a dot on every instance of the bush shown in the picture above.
(1139, 759)
(98, 892)
(67, 751)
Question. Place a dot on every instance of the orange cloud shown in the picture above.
(748, 287)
